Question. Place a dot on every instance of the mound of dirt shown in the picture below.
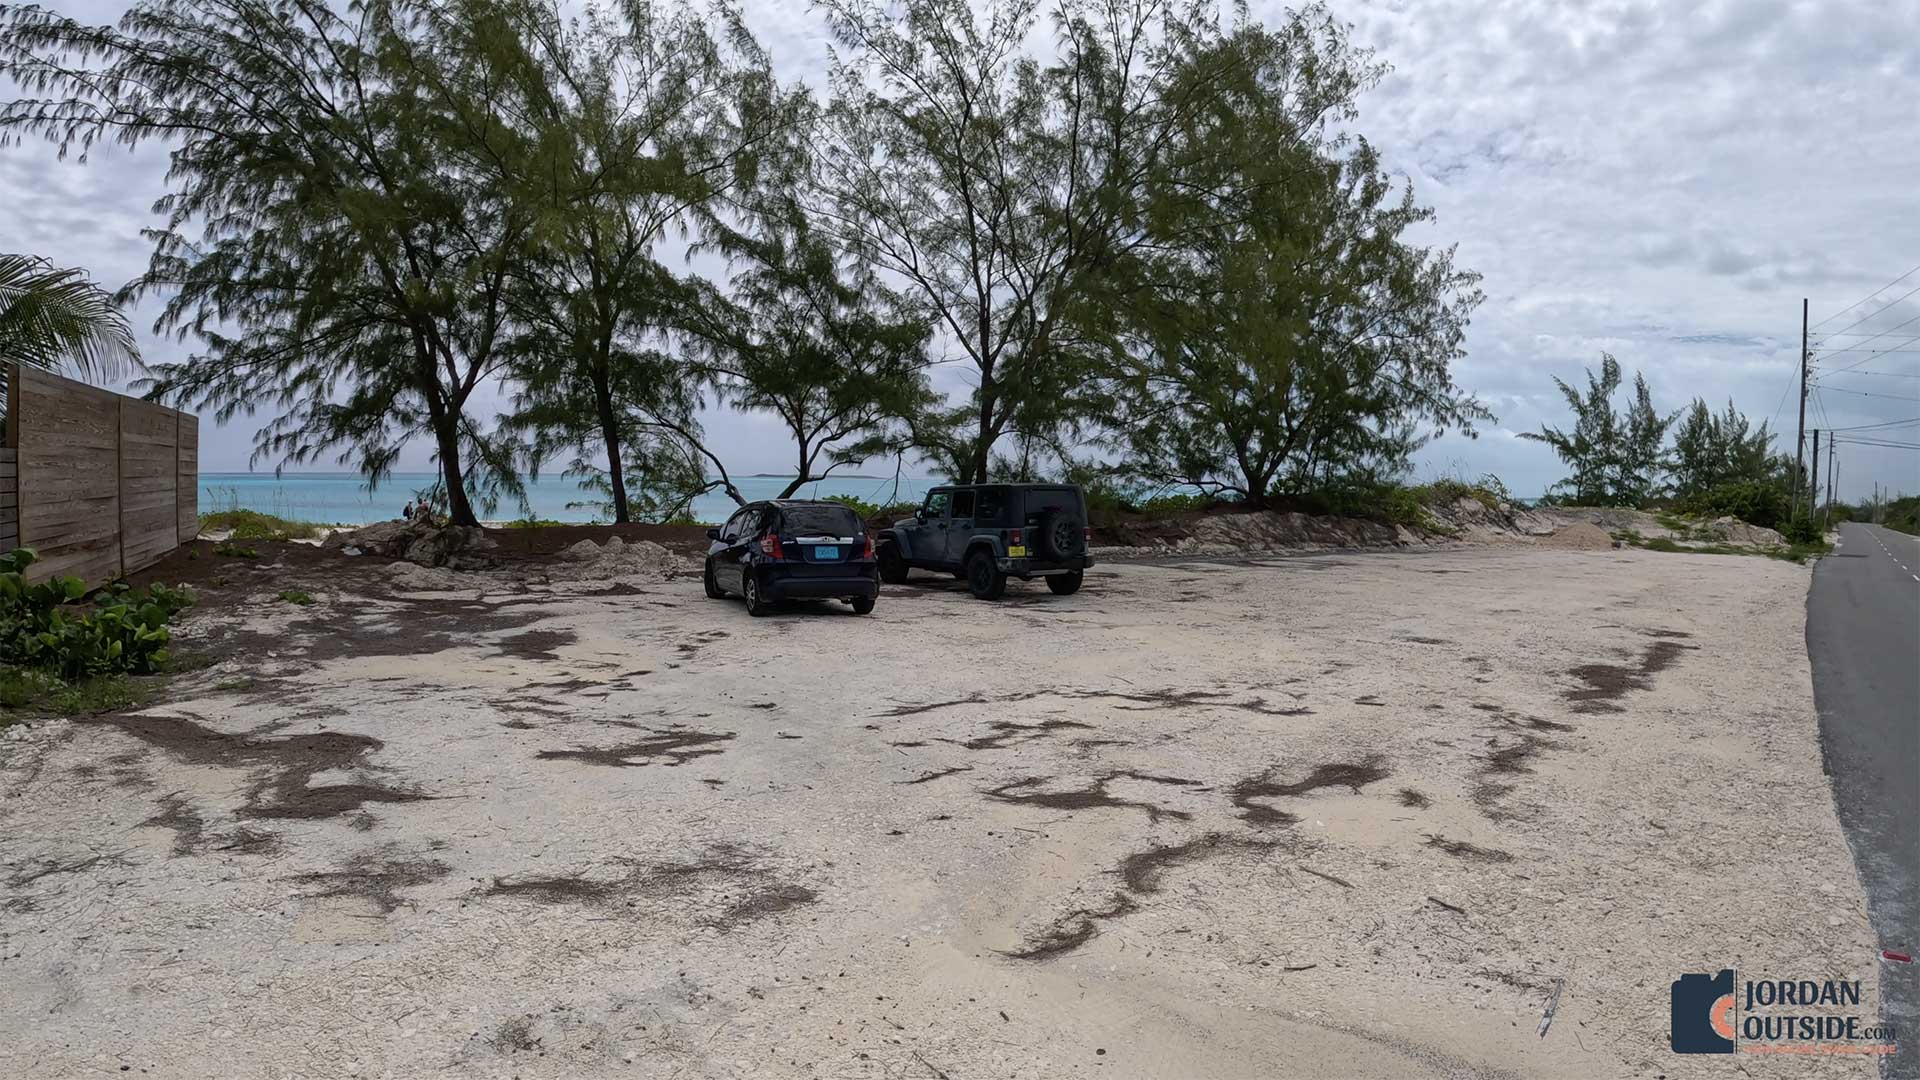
(419, 542)
(585, 560)
(1735, 531)
(1580, 536)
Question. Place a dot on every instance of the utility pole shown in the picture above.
(1800, 433)
(1813, 486)
(1833, 478)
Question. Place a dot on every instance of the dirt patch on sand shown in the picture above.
(726, 885)
(1460, 849)
(1606, 683)
(1094, 796)
(1141, 875)
(284, 765)
(1350, 775)
(677, 746)
(376, 877)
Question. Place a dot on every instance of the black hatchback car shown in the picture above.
(791, 548)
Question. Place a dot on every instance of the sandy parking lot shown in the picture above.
(1333, 816)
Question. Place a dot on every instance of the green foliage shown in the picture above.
(57, 626)
(1489, 492)
(534, 523)
(234, 551)
(295, 596)
(1616, 459)
(254, 525)
(31, 692)
(859, 506)
(1756, 502)
(1803, 529)
(1902, 515)
(1716, 451)
(52, 318)
(1278, 331)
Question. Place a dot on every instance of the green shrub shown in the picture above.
(859, 506)
(1756, 502)
(235, 551)
(533, 523)
(295, 596)
(57, 626)
(254, 525)
(1803, 529)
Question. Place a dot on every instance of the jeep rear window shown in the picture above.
(820, 521)
(1040, 500)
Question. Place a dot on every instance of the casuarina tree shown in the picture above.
(330, 233)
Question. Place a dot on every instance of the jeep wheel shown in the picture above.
(1065, 584)
(756, 603)
(984, 579)
(714, 592)
(893, 568)
(862, 605)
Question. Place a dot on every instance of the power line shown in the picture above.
(1868, 393)
(1867, 359)
(1871, 314)
(1881, 424)
(1879, 443)
(1865, 298)
(1895, 374)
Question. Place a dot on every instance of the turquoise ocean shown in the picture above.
(343, 498)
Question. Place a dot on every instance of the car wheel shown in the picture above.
(1065, 584)
(862, 605)
(714, 592)
(756, 603)
(984, 579)
(893, 568)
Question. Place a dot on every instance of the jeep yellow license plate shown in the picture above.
(1016, 551)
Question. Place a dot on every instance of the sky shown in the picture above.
(1662, 181)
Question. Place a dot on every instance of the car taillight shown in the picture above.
(770, 546)
(862, 547)
(1013, 537)
(1086, 535)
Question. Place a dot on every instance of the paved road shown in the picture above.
(1863, 634)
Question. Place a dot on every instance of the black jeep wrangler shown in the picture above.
(986, 533)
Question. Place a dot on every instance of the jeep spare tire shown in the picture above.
(1061, 535)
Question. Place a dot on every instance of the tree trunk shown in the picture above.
(447, 438)
(610, 431)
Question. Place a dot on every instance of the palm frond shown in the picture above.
(54, 319)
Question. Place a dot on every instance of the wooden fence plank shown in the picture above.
(101, 484)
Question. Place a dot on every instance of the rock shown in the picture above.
(1735, 531)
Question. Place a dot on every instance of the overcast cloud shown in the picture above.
(1660, 181)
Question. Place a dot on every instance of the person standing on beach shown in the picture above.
(408, 511)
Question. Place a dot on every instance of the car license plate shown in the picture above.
(1016, 551)
(827, 551)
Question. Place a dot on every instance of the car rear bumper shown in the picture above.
(786, 588)
(1042, 567)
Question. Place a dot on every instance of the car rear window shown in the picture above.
(820, 521)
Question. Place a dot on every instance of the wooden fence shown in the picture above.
(98, 484)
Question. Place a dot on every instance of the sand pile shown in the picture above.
(588, 561)
(1580, 536)
(418, 542)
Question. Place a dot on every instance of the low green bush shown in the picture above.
(254, 525)
(59, 627)
(1756, 502)
(234, 551)
(295, 596)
